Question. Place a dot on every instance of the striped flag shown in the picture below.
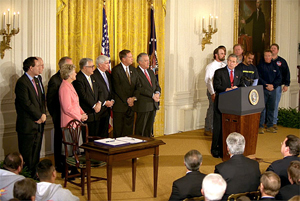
(152, 45)
(105, 51)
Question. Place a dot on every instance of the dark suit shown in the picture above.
(188, 186)
(53, 106)
(107, 95)
(88, 97)
(240, 173)
(145, 106)
(29, 107)
(288, 191)
(221, 82)
(122, 89)
(280, 168)
(267, 198)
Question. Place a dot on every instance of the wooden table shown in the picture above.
(112, 154)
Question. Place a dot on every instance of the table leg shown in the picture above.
(155, 170)
(109, 179)
(88, 170)
(133, 173)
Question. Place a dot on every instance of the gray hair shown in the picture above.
(66, 70)
(83, 62)
(193, 160)
(235, 143)
(213, 186)
(232, 55)
(62, 61)
(101, 59)
(139, 57)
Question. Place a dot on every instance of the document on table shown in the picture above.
(120, 141)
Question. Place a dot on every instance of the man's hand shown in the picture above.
(109, 103)
(84, 117)
(285, 88)
(156, 97)
(213, 97)
(130, 101)
(42, 119)
(270, 87)
(97, 107)
(228, 89)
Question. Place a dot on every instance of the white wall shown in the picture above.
(37, 37)
(185, 90)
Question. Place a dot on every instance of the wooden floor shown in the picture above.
(171, 166)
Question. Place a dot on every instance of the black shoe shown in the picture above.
(216, 154)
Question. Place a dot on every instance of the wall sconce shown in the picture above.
(210, 31)
(7, 34)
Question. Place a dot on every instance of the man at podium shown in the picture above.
(225, 79)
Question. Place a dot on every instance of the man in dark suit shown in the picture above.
(125, 82)
(147, 104)
(288, 191)
(290, 149)
(53, 106)
(225, 79)
(103, 79)
(31, 114)
(241, 173)
(191, 184)
(269, 185)
(89, 94)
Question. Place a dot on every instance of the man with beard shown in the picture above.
(250, 73)
(219, 57)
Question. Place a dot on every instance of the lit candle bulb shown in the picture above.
(216, 22)
(4, 20)
(14, 20)
(7, 16)
(209, 19)
(18, 18)
(203, 23)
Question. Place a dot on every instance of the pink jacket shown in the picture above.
(69, 104)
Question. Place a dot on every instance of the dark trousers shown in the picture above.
(58, 158)
(216, 145)
(30, 147)
(103, 126)
(144, 123)
(123, 123)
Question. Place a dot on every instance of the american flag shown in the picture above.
(152, 44)
(105, 38)
(105, 51)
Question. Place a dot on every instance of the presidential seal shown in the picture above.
(253, 97)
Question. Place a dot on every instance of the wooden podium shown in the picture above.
(241, 110)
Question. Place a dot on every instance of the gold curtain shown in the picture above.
(79, 33)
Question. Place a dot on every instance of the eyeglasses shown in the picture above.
(90, 66)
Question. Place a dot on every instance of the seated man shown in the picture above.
(241, 173)
(13, 165)
(269, 185)
(25, 189)
(213, 187)
(190, 185)
(47, 189)
(288, 191)
(290, 149)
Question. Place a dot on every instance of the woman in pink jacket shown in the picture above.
(68, 98)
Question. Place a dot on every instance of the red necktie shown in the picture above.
(34, 84)
(147, 76)
(231, 78)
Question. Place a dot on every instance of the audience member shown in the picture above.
(31, 113)
(189, 185)
(25, 189)
(290, 149)
(46, 188)
(238, 50)
(270, 78)
(285, 81)
(288, 191)
(125, 81)
(269, 185)
(53, 106)
(241, 173)
(90, 95)
(13, 165)
(250, 73)
(147, 104)
(219, 57)
(295, 198)
(225, 79)
(213, 187)
(103, 78)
